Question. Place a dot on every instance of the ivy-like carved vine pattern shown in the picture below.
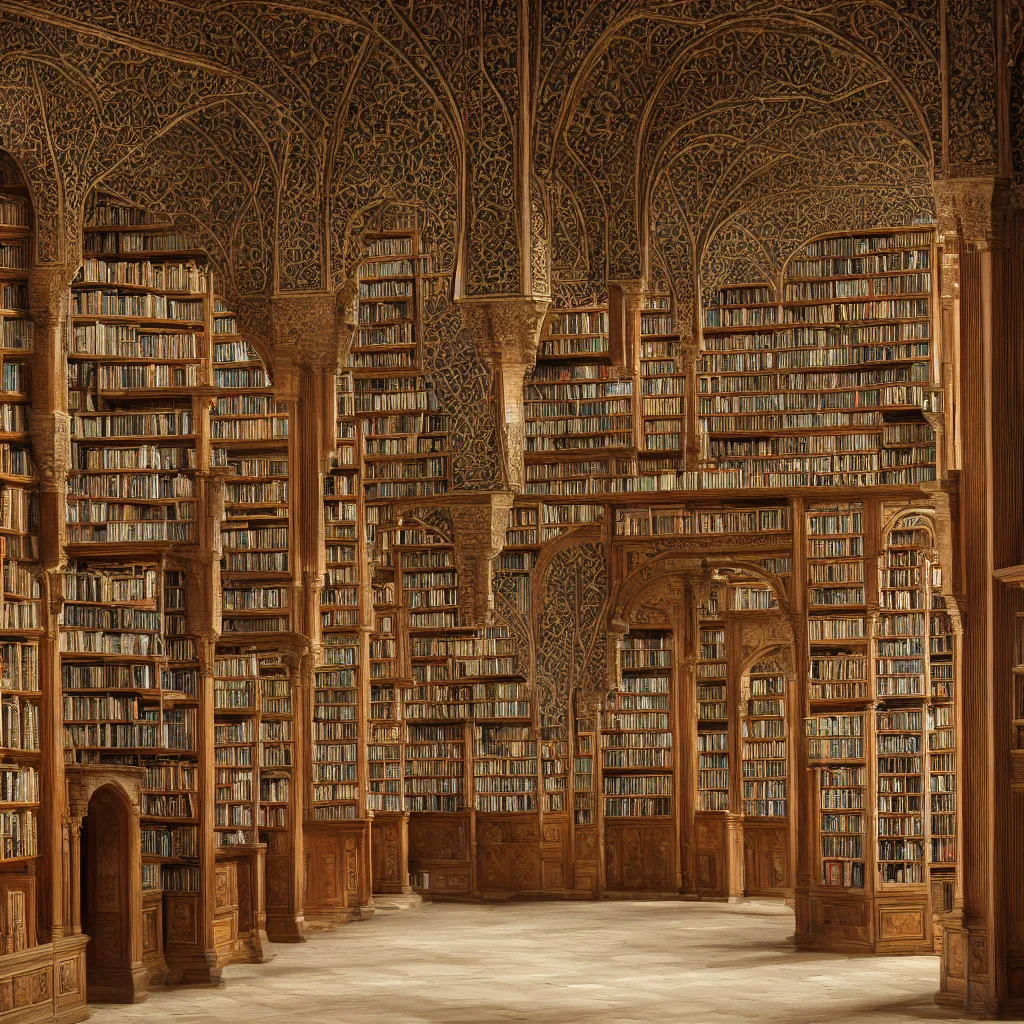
(571, 641)
(736, 89)
(275, 133)
(511, 609)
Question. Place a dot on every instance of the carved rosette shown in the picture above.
(506, 334)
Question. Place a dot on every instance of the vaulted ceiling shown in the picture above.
(544, 145)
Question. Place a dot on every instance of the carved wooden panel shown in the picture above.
(447, 839)
(766, 861)
(585, 859)
(640, 857)
(152, 926)
(33, 987)
(225, 885)
(711, 877)
(904, 924)
(834, 919)
(508, 854)
(181, 924)
(325, 884)
(389, 849)
(439, 848)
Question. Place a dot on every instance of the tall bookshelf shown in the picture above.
(917, 775)
(580, 408)
(339, 679)
(839, 690)
(249, 438)
(828, 386)
(713, 754)
(236, 714)
(764, 765)
(663, 378)
(22, 777)
(137, 351)
(638, 730)
(129, 681)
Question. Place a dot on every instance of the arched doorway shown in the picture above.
(111, 912)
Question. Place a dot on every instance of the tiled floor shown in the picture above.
(557, 963)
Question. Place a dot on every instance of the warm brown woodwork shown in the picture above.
(527, 469)
(111, 903)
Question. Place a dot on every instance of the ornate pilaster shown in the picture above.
(976, 974)
(49, 423)
(626, 299)
(506, 333)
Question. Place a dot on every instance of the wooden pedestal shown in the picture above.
(338, 872)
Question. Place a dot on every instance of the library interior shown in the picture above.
(523, 498)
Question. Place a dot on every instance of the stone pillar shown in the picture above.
(506, 333)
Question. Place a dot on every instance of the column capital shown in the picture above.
(506, 331)
(506, 334)
(310, 331)
(48, 286)
(633, 289)
(974, 210)
(478, 524)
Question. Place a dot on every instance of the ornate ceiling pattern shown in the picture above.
(549, 144)
(680, 125)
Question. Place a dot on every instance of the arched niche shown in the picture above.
(105, 840)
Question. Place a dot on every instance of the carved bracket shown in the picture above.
(506, 333)
(478, 534)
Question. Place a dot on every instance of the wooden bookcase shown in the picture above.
(798, 668)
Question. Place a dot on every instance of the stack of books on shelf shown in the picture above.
(584, 811)
(637, 731)
(765, 768)
(21, 740)
(236, 691)
(505, 768)
(712, 713)
(137, 352)
(827, 387)
(336, 723)
(435, 767)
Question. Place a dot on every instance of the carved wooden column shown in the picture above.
(308, 342)
(688, 324)
(976, 974)
(686, 633)
(798, 708)
(506, 333)
(50, 428)
(733, 852)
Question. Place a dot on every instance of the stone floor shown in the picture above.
(557, 963)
